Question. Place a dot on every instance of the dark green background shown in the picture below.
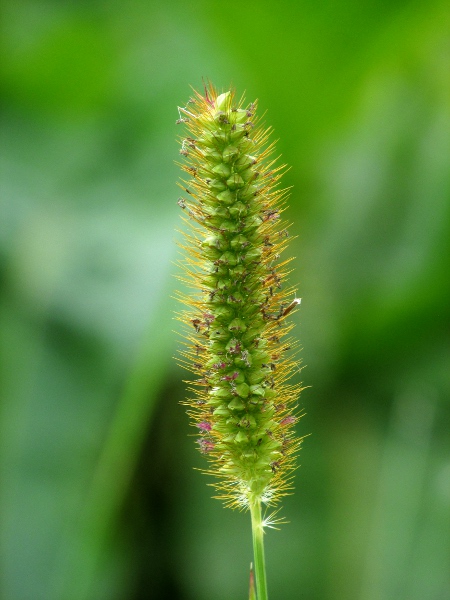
(99, 499)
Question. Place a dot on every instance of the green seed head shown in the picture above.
(236, 328)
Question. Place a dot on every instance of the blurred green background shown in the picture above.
(99, 499)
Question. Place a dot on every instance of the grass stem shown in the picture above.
(258, 550)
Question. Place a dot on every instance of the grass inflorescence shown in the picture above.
(236, 324)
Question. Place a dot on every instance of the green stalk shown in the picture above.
(258, 550)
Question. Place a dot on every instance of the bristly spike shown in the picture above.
(243, 408)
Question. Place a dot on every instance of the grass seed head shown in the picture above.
(243, 407)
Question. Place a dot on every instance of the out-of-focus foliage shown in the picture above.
(98, 496)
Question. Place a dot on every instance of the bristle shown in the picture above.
(242, 407)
